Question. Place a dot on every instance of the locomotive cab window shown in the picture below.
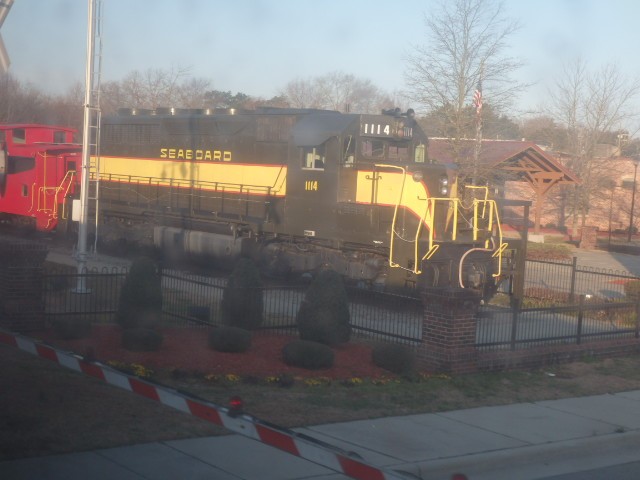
(313, 158)
(373, 148)
(419, 156)
(349, 151)
(399, 151)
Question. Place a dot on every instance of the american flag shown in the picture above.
(477, 97)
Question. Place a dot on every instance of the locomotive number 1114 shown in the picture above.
(376, 129)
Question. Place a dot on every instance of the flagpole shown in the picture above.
(477, 101)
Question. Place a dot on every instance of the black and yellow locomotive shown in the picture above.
(298, 190)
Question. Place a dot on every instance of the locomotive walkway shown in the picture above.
(547, 439)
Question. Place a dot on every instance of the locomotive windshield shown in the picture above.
(393, 151)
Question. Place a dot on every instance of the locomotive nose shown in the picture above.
(441, 182)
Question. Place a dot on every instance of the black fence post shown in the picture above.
(638, 318)
(572, 290)
(515, 312)
(580, 317)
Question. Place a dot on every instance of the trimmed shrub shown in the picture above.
(230, 339)
(394, 357)
(140, 303)
(71, 328)
(141, 339)
(242, 297)
(306, 354)
(324, 314)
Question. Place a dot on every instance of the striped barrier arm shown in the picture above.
(298, 444)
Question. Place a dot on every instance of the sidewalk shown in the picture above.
(521, 441)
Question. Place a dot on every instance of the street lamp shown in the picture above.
(636, 160)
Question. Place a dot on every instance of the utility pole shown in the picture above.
(81, 253)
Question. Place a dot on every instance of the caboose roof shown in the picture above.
(11, 126)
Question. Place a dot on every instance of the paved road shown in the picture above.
(626, 471)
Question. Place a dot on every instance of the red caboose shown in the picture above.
(38, 173)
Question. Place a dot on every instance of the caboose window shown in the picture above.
(373, 148)
(25, 190)
(59, 137)
(19, 135)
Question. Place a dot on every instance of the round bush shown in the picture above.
(242, 297)
(140, 303)
(230, 339)
(309, 355)
(398, 359)
(141, 339)
(324, 314)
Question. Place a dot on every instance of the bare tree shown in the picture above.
(465, 45)
(592, 106)
(155, 88)
(336, 91)
(67, 109)
(21, 102)
(300, 94)
(191, 93)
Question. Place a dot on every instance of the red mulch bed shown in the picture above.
(187, 349)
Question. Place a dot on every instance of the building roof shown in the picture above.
(525, 160)
(522, 161)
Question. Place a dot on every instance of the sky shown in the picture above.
(257, 46)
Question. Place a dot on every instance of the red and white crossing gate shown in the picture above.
(284, 439)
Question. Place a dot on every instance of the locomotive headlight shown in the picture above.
(417, 176)
(444, 185)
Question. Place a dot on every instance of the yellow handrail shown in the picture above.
(395, 213)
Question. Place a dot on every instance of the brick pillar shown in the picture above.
(21, 271)
(449, 331)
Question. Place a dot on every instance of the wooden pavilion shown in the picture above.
(509, 160)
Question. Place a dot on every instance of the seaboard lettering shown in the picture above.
(198, 155)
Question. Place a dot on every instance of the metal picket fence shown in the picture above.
(567, 278)
(195, 301)
(516, 328)
(566, 304)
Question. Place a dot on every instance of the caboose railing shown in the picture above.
(39, 199)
